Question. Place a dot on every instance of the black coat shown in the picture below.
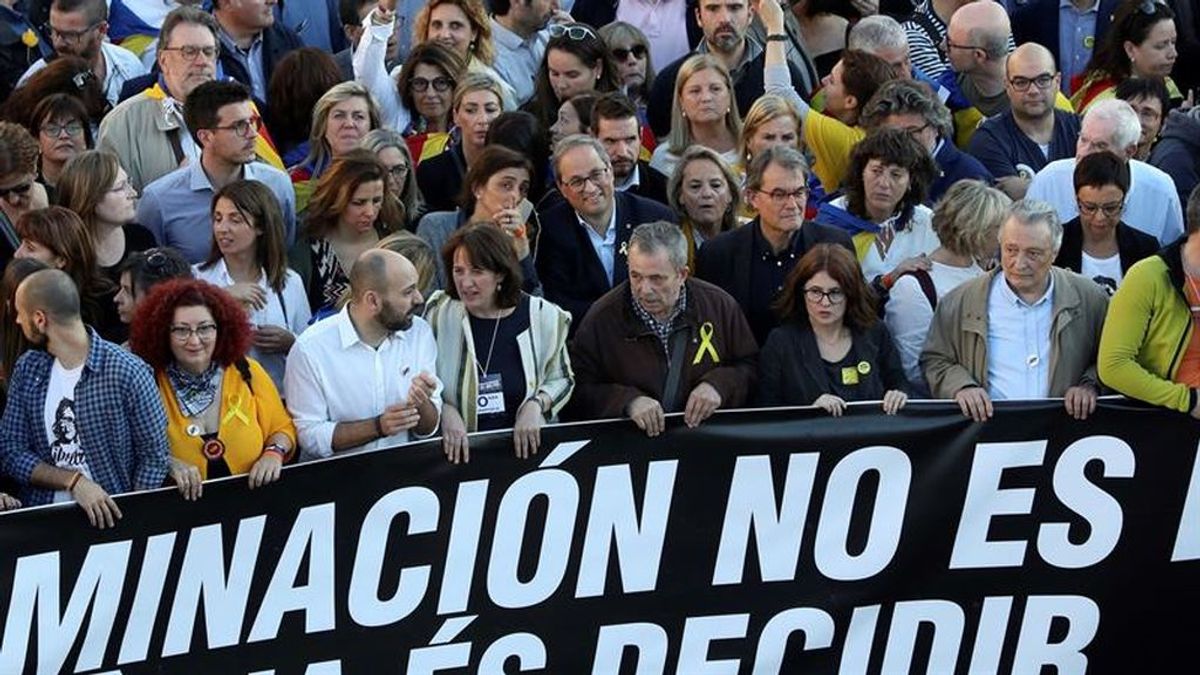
(790, 370)
(441, 177)
(1132, 246)
(570, 270)
(277, 41)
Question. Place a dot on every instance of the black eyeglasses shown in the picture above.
(1109, 210)
(1042, 81)
(16, 189)
(54, 130)
(69, 36)
(440, 84)
(244, 128)
(638, 51)
(816, 296)
(781, 197)
(190, 52)
(575, 32)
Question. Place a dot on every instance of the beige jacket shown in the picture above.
(955, 353)
(136, 131)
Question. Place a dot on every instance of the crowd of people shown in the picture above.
(236, 235)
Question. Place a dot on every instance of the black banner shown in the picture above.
(762, 542)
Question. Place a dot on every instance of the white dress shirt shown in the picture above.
(333, 376)
(1152, 205)
(1018, 343)
(605, 246)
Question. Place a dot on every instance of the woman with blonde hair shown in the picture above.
(463, 27)
(772, 120)
(393, 153)
(477, 101)
(341, 118)
(704, 192)
(704, 113)
(967, 221)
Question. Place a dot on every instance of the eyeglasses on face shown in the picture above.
(205, 331)
(1043, 81)
(952, 45)
(191, 52)
(399, 172)
(440, 84)
(244, 128)
(19, 189)
(1109, 210)
(781, 197)
(54, 130)
(575, 32)
(638, 51)
(577, 184)
(69, 36)
(835, 296)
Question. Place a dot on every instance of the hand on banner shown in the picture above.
(187, 478)
(101, 510)
(1080, 401)
(454, 436)
(8, 502)
(266, 469)
(893, 401)
(974, 403)
(647, 414)
(834, 405)
(702, 403)
(527, 432)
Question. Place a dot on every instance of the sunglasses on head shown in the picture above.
(16, 189)
(638, 51)
(1148, 7)
(573, 32)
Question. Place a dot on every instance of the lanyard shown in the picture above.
(483, 370)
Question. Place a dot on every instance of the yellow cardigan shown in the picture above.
(248, 419)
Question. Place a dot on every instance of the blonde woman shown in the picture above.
(705, 193)
(703, 113)
(341, 119)
(477, 101)
(463, 27)
(772, 120)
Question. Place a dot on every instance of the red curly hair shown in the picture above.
(150, 332)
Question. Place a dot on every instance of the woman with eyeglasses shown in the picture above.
(224, 414)
(341, 119)
(705, 192)
(249, 260)
(393, 153)
(703, 113)
(477, 101)
(1097, 243)
(61, 125)
(144, 270)
(19, 190)
(1151, 101)
(576, 61)
(418, 101)
(95, 187)
(630, 51)
(831, 347)
(1140, 42)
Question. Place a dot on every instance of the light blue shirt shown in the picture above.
(605, 246)
(1018, 342)
(1076, 39)
(517, 59)
(251, 59)
(177, 207)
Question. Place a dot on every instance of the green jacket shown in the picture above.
(1148, 330)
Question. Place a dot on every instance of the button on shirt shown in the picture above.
(333, 376)
(604, 245)
(517, 59)
(1018, 343)
(251, 59)
(1076, 39)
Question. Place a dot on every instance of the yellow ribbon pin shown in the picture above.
(29, 38)
(235, 410)
(706, 345)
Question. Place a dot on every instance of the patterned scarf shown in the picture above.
(194, 392)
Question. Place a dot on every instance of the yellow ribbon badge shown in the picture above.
(706, 345)
(235, 410)
(29, 38)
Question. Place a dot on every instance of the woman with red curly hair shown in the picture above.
(224, 414)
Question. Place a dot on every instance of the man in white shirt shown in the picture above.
(363, 378)
(1028, 330)
(1152, 204)
(519, 35)
(78, 28)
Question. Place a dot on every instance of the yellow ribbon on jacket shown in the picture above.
(235, 410)
(706, 345)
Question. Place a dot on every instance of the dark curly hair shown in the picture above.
(893, 147)
(839, 263)
(150, 333)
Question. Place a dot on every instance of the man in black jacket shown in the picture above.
(252, 41)
(615, 125)
(582, 246)
(752, 262)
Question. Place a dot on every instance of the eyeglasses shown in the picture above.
(440, 84)
(399, 172)
(190, 52)
(1109, 210)
(69, 36)
(205, 331)
(951, 45)
(916, 131)
(1042, 81)
(576, 184)
(638, 51)
(55, 130)
(244, 128)
(816, 296)
(575, 32)
(781, 197)
(16, 189)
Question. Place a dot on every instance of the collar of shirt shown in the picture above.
(610, 235)
(348, 334)
(749, 54)
(1010, 296)
(660, 328)
(221, 272)
(504, 37)
(633, 181)
(229, 44)
(763, 249)
(1068, 4)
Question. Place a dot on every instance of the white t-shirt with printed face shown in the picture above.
(62, 431)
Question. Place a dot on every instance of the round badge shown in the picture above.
(193, 430)
(213, 449)
(864, 368)
(1089, 41)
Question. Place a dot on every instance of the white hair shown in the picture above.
(1127, 128)
(1034, 212)
(877, 32)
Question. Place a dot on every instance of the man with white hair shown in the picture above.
(1151, 205)
(884, 37)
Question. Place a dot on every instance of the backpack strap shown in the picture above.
(243, 368)
(926, 282)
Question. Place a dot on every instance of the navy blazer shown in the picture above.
(568, 266)
(1038, 22)
(955, 165)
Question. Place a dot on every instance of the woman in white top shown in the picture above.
(703, 113)
(249, 260)
(967, 221)
(889, 176)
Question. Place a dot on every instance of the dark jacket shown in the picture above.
(651, 184)
(725, 260)
(600, 13)
(791, 372)
(1001, 146)
(571, 273)
(277, 41)
(1178, 151)
(441, 177)
(1187, 23)
(1132, 246)
(955, 165)
(1038, 22)
(15, 55)
(605, 385)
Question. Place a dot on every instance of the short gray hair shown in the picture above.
(877, 32)
(658, 236)
(1127, 127)
(1033, 212)
(573, 141)
(186, 14)
(783, 156)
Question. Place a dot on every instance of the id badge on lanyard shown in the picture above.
(490, 400)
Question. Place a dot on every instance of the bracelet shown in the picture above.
(780, 37)
(275, 448)
(379, 426)
(74, 481)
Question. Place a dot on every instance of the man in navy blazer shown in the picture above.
(1040, 21)
(581, 248)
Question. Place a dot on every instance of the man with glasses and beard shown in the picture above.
(84, 419)
(366, 377)
(77, 28)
